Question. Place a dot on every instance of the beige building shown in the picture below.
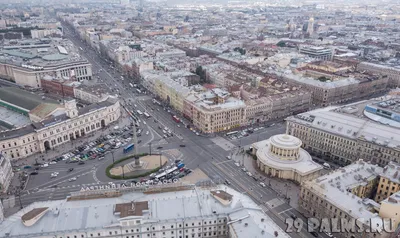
(392, 73)
(344, 134)
(216, 111)
(389, 182)
(333, 196)
(281, 156)
(390, 208)
(57, 130)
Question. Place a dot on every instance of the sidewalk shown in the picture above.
(62, 149)
(280, 186)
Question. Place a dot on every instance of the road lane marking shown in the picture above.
(286, 210)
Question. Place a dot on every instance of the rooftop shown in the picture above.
(38, 53)
(334, 188)
(338, 120)
(84, 215)
(21, 98)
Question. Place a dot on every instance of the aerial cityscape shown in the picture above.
(183, 119)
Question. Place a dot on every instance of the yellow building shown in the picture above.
(389, 182)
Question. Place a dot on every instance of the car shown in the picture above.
(237, 164)
(147, 132)
(244, 169)
(53, 175)
(248, 173)
(228, 157)
(227, 182)
(34, 173)
(81, 162)
(54, 186)
(159, 147)
(262, 184)
(294, 217)
(197, 134)
(188, 171)
(181, 175)
(53, 162)
(101, 157)
(315, 234)
(72, 179)
(182, 145)
(70, 169)
(178, 126)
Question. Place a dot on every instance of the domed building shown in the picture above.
(282, 156)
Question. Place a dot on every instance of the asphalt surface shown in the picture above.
(199, 152)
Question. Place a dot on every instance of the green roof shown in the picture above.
(22, 98)
(19, 54)
(54, 57)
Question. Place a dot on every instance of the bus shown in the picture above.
(128, 148)
(166, 172)
(146, 115)
(139, 112)
(176, 119)
(232, 133)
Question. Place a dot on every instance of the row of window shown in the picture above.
(205, 234)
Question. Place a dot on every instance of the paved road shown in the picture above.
(202, 152)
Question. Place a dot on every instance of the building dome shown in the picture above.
(282, 156)
(286, 147)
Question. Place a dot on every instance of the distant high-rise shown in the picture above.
(124, 2)
(310, 26)
(141, 5)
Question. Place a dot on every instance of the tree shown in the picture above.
(281, 44)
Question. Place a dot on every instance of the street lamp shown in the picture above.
(150, 148)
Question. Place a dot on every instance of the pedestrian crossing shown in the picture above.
(274, 203)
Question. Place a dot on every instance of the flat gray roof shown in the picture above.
(22, 98)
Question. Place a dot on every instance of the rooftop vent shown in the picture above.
(245, 224)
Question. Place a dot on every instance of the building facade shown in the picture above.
(6, 174)
(344, 135)
(26, 76)
(50, 133)
(281, 156)
(333, 196)
(392, 73)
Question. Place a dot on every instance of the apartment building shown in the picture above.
(389, 182)
(336, 195)
(332, 83)
(348, 133)
(197, 212)
(392, 73)
(216, 111)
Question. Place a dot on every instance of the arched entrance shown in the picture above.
(103, 123)
(47, 145)
(168, 99)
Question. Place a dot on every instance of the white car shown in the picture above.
(197, 134)
(53, 162)
(244, 169)
(147, 132)
(134, 105)
(248, 173)
(262, 184)
(72, 179)
(128, 139)
(178, 126)
(144, 123)
(102, 157)
(237, 164)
